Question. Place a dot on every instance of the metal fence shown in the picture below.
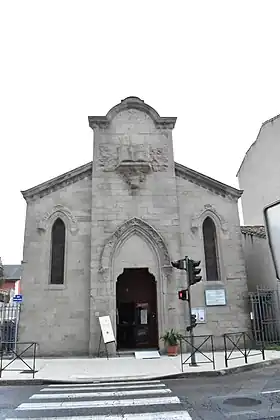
(20, 355)
(203, 348)
(265, 316)
(9, 320)
(240, 345)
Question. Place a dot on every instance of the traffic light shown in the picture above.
(193, 323)
(193, 271)
(179, 264)
(182, 294)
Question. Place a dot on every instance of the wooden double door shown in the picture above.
(137, 323)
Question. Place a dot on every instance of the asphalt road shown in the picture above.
(251, 395)
(255, 395)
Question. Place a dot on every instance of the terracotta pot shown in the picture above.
(172, 350)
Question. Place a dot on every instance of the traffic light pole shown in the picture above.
(193, 358)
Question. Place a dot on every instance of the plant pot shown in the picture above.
(172, 350)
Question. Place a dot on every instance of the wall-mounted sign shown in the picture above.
(106, 329)
(17, 298)
(215, 297)
(200, 315)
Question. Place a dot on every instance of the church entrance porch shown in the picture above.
(137, 323)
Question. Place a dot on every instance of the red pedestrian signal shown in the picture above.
(182, 294)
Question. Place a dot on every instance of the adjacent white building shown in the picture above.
(259, 178)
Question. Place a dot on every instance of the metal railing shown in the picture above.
(242, 343)
(9, 319)
(205, 341)
(265, 315)
(18, 355)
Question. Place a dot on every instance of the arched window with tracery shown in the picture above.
(210, 249)
(57, 252)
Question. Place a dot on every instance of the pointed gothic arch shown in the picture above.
(142, 228)
(58, 239)
(211, 253)
(58, 211)
(210, 211)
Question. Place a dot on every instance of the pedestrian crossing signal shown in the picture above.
(182, 294)
(193, 323)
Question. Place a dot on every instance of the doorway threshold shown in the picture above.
(152, 353)
(147, 354)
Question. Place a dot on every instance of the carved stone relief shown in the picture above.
(159, 159)
(134, 174)
(107, 157)
(58, 211)
(132, 161)
(208, 208)
(143, 228)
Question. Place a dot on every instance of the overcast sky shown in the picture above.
(213, 64)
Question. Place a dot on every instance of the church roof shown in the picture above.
(206, 182)
(271, 120)
(58, 182)
(86, 170)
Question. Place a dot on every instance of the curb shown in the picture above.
(181, 375)
(222, 372)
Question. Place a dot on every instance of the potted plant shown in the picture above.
(171, 340)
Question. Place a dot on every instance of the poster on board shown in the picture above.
(106, 329)
(200, 314)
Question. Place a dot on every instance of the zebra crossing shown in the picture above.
(133, 400)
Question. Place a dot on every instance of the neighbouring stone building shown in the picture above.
(99, 240)
(258, 261)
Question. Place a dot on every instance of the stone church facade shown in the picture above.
(99, 240)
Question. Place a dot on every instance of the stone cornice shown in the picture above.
(81, 172)
(254, 230)
(207, 182)
(58, 182)
(132, 102)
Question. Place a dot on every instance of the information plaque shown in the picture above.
(215, 297)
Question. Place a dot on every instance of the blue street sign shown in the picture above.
(17, 298)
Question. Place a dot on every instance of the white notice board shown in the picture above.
(215, 297)
(106, 329)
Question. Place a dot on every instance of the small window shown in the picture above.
(210, 249)
(57, 252)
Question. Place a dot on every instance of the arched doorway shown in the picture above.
(136, 296)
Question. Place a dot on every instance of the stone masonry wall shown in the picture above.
(55, 316)
(259, 264)
(113, 204)
(196, 203)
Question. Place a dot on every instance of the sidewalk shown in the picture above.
(129, 368)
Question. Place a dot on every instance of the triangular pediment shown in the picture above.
(86, 171)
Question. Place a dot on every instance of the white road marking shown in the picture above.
(165, 415)
(98, 403)
(271, 392)
(104, 383)
(100, 394)
(85, 388)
